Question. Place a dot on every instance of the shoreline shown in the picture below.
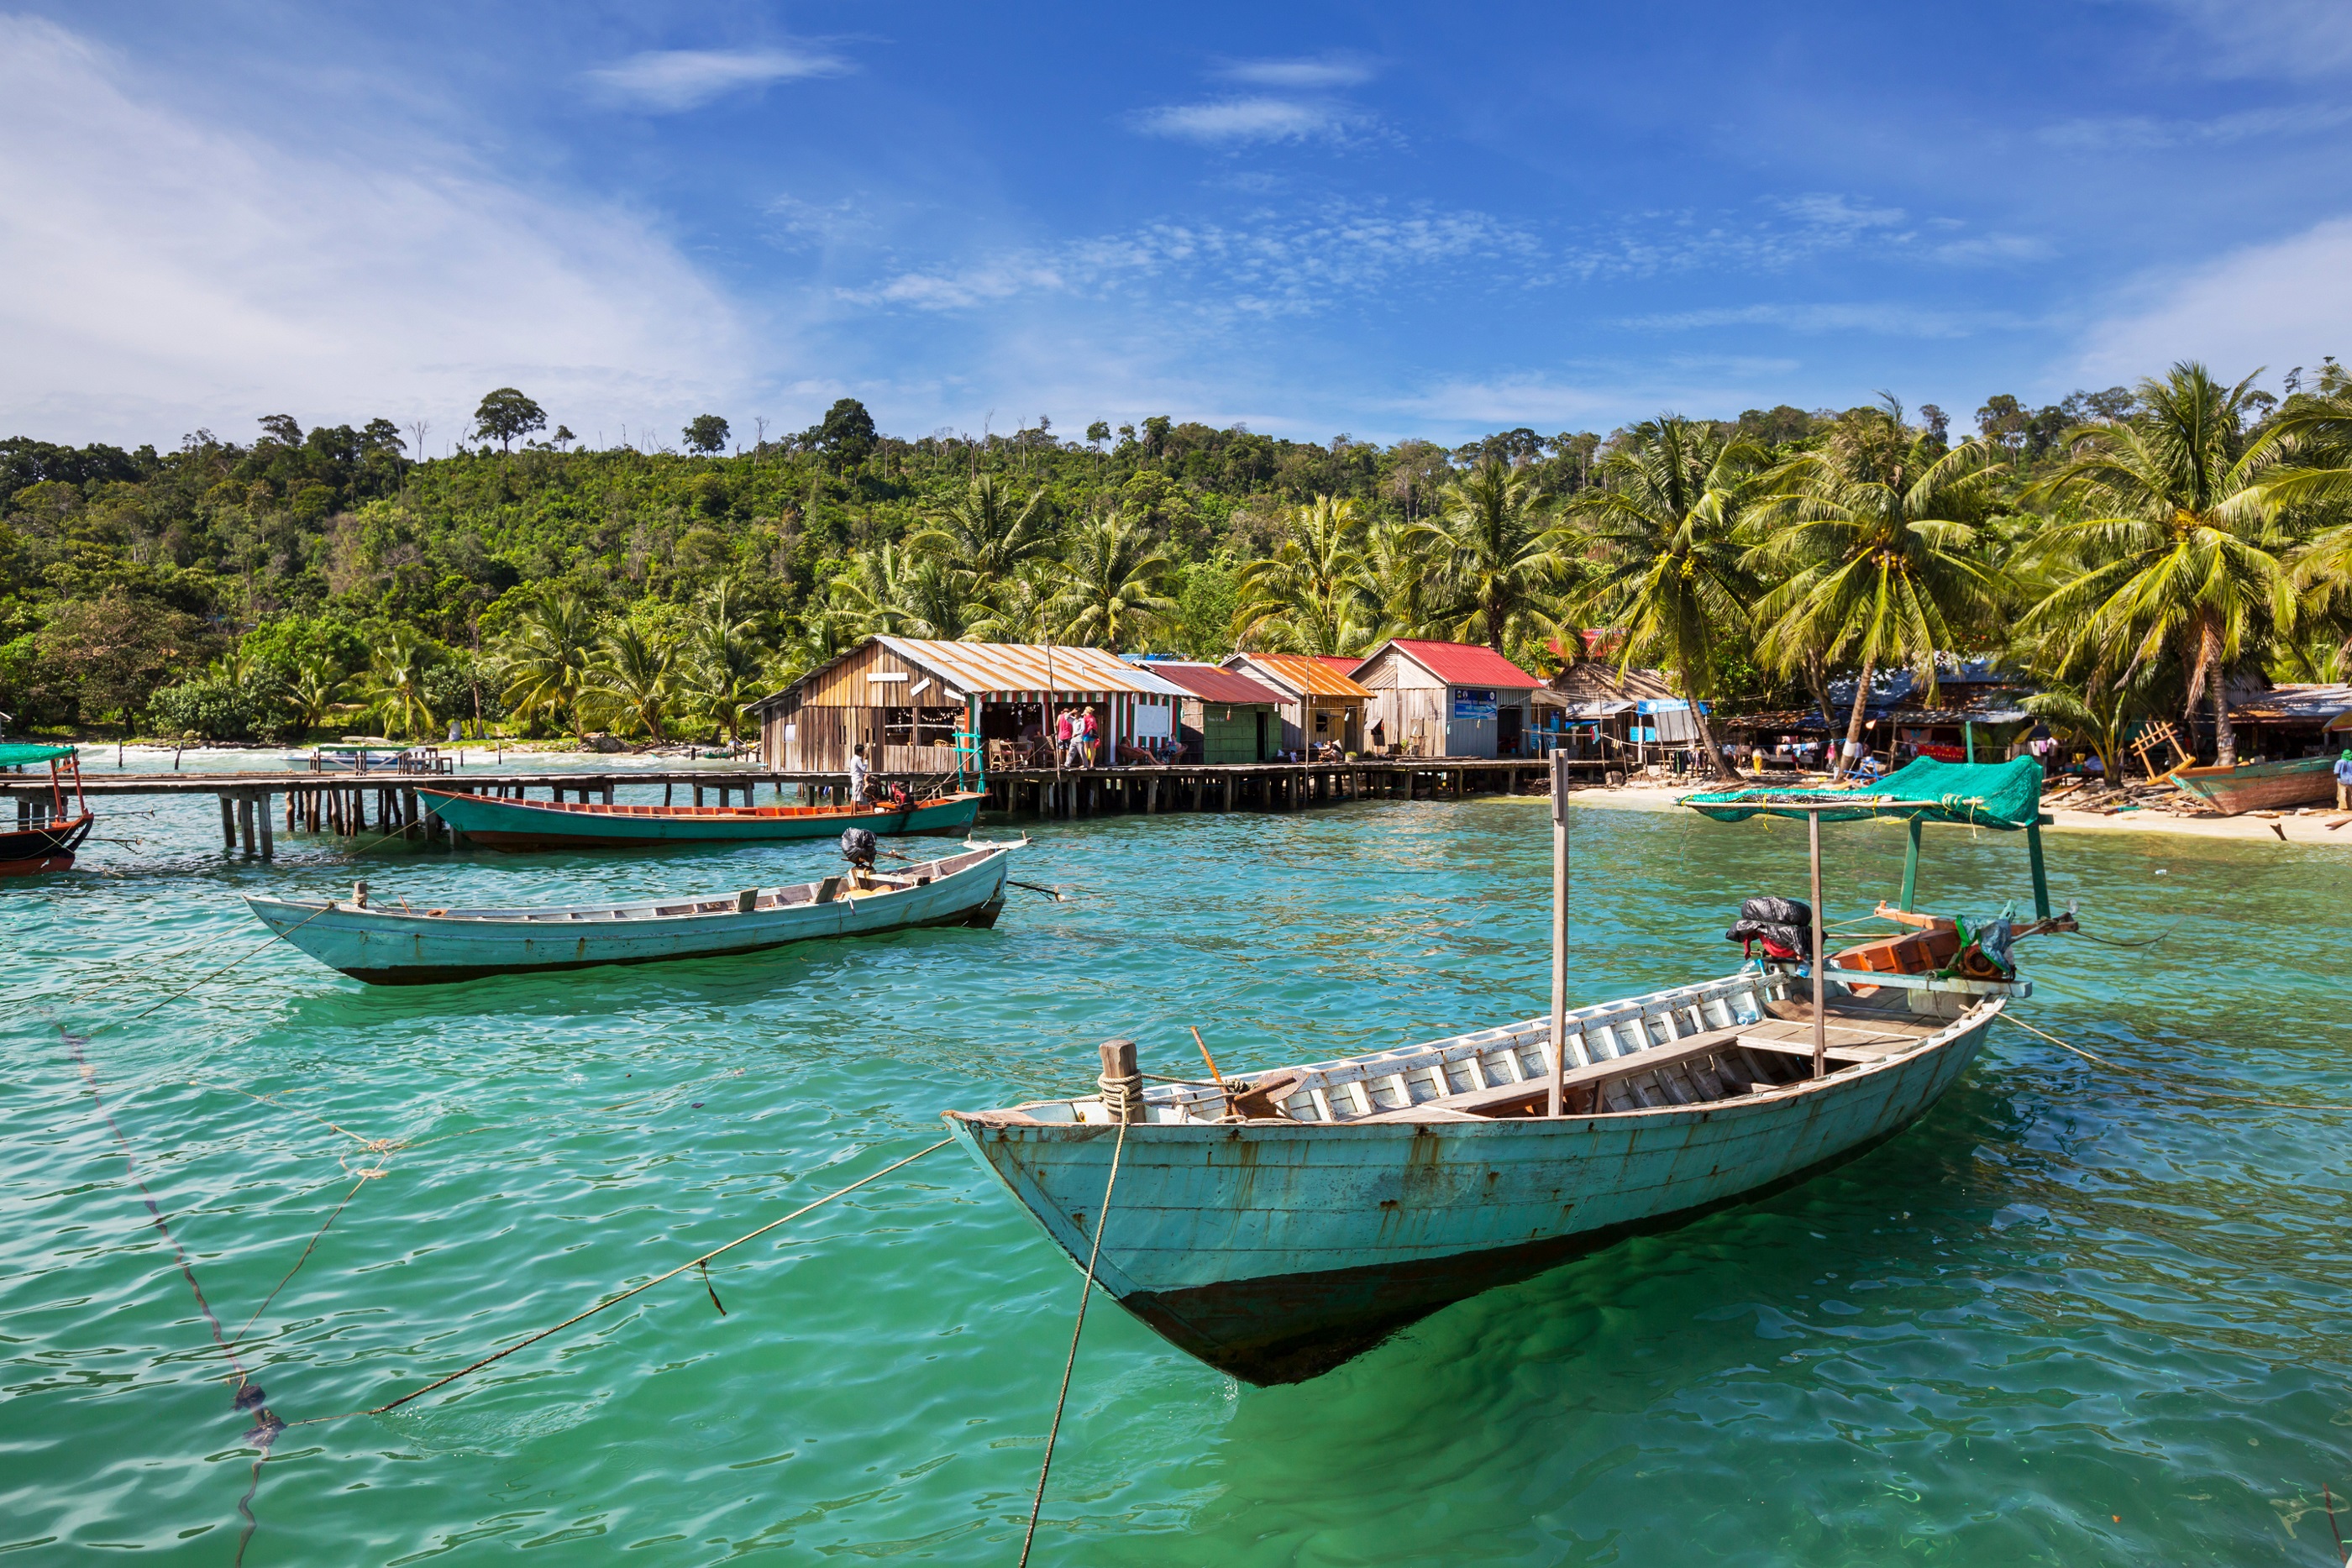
(2310, 828)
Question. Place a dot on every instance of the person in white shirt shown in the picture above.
(861, 774)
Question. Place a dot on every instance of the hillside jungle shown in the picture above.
(2128, 549)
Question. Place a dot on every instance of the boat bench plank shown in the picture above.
(1636, 1063)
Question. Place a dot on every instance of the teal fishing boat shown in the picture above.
(1276, 1225)
(2261, 786)
(547, 824)
(422, 947)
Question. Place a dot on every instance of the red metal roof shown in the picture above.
(1460, 664)
(1210, 684)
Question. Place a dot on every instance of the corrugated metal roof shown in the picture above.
(1459, 663)
(1301, 673)
(1003, 669)
(2304, 703)
(1213, 683)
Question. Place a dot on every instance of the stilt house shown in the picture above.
(1446, 699)
(905, 697)
(1321, 705)
(1228, 717)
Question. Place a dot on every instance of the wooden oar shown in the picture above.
(1057, 895)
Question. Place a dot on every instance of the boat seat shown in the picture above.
(1506, 1096)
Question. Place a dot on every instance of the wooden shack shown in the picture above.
(1320, 706)
(904, 698)
(1447, 699)
(1228, 717)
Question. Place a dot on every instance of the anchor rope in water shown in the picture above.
(1085, 1292)
(698, 1262)
(2056, 1042)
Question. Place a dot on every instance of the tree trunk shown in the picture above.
(2225, 739)
(1853, 721)
(1716, 764)
(1817, 682)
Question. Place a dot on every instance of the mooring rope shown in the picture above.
(698, 1262)
(2060, 1043)
(1085, 1292)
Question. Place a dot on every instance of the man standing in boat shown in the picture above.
(861, 775)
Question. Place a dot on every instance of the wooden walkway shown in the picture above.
(385, 805)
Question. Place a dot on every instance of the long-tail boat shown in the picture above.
(44, 838)
(1278, 1224)
(2261, 786)
(547, 824)
(398, 946)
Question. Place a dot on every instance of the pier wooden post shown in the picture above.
(1559, 869)
(261, 812)
(1820, 982)
(245, 825)
(2041, 875)
(1911, 864)
(228, 824)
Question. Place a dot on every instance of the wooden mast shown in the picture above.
(1821, 980)
(1558, 931)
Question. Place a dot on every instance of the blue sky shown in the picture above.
(1310, 219)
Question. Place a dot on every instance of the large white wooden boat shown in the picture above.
(1278, 1225)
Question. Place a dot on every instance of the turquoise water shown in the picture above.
(2081, 1314)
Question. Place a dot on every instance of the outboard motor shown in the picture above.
(858, 847)
(1784, 925)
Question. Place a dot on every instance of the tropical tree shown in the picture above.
(2099, 714)
(1668, 565)
(988, 530)
(632, 679)
(894, 588)
(394, 686)
(1873, 548)
(545, 663)
(2312, 439)
(1495, 552)
(1314, 594)
(2167, 517)
(1112, 585)
(1022, 608)
(726, 663)
(505, 414)
(311, 692)
(1400, 561)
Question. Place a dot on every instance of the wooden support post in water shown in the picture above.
(2040, 876)
(245, 825)
(1820, 982)
(1911, 864)
(268, 842)
(1559, 935)
(228, 824)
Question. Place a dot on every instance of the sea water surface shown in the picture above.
(2084, 1313)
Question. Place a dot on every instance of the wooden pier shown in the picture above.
(385, 805)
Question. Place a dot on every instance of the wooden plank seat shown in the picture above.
(1665, 1069)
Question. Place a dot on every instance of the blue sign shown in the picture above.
(1471, 703)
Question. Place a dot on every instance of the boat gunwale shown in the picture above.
(702, 813)
(539, 918)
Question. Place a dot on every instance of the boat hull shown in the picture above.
(30, 851)
(1274, 1251)
(389, 947)
(2261, 786)
(549, 825)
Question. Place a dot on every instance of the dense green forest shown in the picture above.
(2128, 548)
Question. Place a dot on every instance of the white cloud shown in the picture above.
(2145, 133)
(164, 273)
(2279, 305)
(1322, 71)
(1225, 121)
(668, 81)
(1889, 320)
(2273, 37)
(1279, 265)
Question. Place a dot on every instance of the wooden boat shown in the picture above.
(45, 837)
(1276, 1226)
(547, 824)
(2261, 786)
(424, 947)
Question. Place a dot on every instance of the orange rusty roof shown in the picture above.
(1301, 673)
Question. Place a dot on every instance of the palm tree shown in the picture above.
(987, 530)
(1022, 608)
(2099, 714)
(1314, 594)
(896, 591)
(1111, 585)
(394, 684)
(1669, 568)
(1496, 551)
(1401, 561)
(545, 662)
(312, 691)
(634, 678)
(2170, 522)
(2312, 438)
(726, 660)
(1876, 553)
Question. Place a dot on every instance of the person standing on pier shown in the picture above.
(1087, 734)
(861, 775)
(2343, 781)
(1065, 739)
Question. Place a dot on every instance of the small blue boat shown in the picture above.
(422, 947)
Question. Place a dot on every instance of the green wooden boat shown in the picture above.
(570, 825)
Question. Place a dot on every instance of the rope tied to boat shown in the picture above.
(1120, 1085)
(1086, 1293)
